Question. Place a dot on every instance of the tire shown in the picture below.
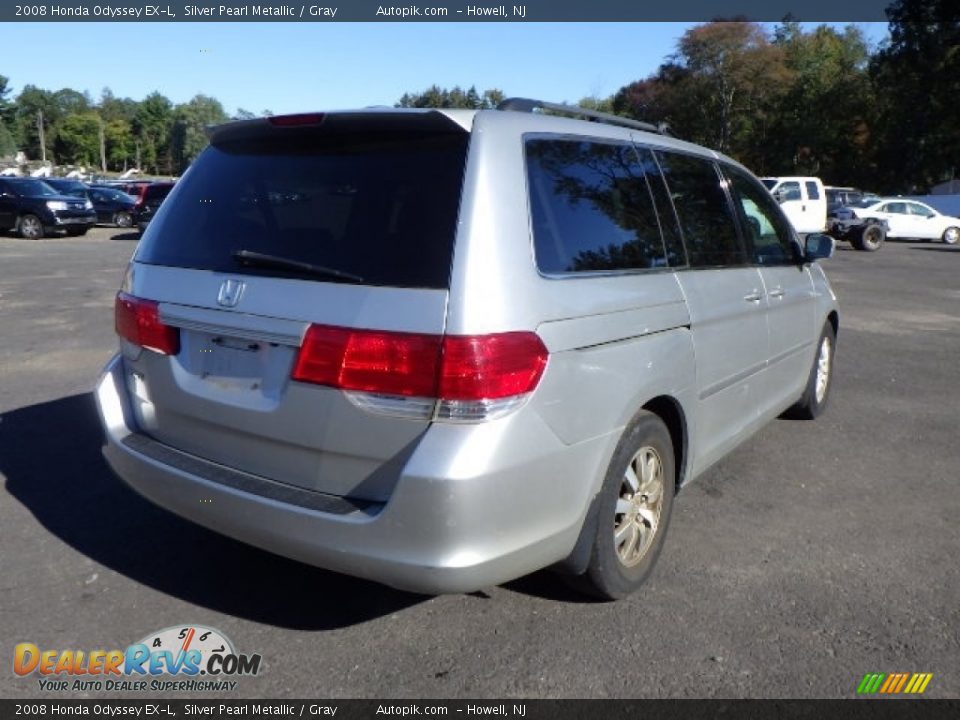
(122, 219)
(630, 531)
(817, 392)
(951, 235)
(870, 238)
(30, 227)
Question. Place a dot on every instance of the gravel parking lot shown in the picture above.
(814, 554)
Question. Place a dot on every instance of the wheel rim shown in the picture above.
(30, 227)
(871, 237)
(637, 515)
(823, 370)
(951, 235)
(123, 219)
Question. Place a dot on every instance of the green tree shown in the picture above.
(7, 144)
(188, 136)
(118, 137)
(33, 106)
(151, 132)
(822, 124)
(77, 139)
(437, 97)
(917, 81)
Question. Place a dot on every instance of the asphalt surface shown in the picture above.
(815, 553)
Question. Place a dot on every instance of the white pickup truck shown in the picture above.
(803, 200)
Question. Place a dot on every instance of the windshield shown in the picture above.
(34, 188)
(769, 183)
(381, 207)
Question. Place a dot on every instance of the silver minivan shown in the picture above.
(442, 349)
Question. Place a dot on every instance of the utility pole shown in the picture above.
(103, 149)
(43, 145)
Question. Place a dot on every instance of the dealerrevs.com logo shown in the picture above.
(183, 658)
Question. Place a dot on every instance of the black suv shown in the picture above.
(33, 208)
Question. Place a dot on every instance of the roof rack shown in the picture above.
(528, 105)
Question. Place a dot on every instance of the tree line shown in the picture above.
(67, 127)
(783, 102)
(790, 102)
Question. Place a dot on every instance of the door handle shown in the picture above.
(776, 293)
(753, 297)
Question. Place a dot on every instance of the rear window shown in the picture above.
(378, 207)
(157, 192)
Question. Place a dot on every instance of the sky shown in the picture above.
(293, 67)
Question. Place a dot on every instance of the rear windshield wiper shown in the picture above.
(250, 258)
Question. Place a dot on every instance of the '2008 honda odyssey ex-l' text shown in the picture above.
(442, 349)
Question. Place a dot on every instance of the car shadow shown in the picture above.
(126, 235)
(946, 248)
(50, 456)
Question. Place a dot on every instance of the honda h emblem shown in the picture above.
(230, 292)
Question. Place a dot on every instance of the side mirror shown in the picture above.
(779, 196)
(818, 247)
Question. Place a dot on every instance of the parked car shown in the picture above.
(149, 200)
(114, 207)
(442, 349)
(33, 209)
(908, 219)
(803, 200)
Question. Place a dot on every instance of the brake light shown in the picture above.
(369, 361)
(299, 119)
(138, 321)
(471, 377)
(491, 367)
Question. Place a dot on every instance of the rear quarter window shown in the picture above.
(591, 206)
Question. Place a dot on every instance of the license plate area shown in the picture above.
(231, 367)
(232, 360)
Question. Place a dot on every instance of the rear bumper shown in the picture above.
(474, 505)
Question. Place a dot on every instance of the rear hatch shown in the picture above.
(294, 227)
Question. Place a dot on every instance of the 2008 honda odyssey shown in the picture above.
(442, 349)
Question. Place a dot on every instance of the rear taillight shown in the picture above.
(369, 361)
(470, 378)
(138, 321)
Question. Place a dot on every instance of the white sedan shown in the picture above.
(908, 219)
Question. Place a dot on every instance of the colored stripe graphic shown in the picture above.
(894, 683)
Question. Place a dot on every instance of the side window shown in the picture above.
(591, 207)
(768, 236)
(919, 210)
(790, 191)
(896, 207)
(813, 192)
(703, 211)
